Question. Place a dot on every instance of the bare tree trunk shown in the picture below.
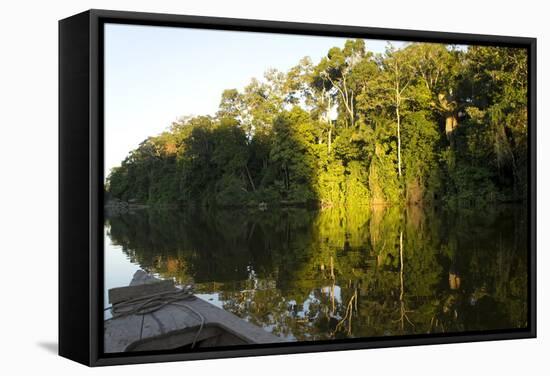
(250, 178)
(329, 125)
(398, 138)
(403, 308)
(450, 123)
(352, 112)
(332, 298)
(346, 99)
(398, 98)
(329, 138)
(401, 294)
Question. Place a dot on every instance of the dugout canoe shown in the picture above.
(152, 314)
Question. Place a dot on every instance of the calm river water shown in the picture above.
(337, 273)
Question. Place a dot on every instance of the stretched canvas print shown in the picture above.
(272, 189)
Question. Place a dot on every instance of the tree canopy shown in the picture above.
(427, 123)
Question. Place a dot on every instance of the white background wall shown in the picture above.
(28, 185)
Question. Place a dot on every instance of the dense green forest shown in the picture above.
(427, 123)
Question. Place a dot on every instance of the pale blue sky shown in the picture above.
(155, 75)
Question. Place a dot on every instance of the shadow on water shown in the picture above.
(337, 273)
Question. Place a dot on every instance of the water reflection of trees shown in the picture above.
(343, 273)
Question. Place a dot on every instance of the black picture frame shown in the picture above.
(81, 183)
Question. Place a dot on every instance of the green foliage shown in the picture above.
(427, 123)
(291, 155)
(421, 155)
(383, 182)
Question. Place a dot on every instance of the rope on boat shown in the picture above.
(151, 303)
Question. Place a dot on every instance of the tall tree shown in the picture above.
(398, 76)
